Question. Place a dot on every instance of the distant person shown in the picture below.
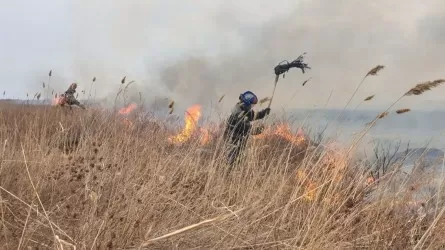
(239, 127)
(69, 96)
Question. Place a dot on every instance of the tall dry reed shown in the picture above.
(86, 179)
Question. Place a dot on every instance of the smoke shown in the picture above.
(343, 39)
(195, 53)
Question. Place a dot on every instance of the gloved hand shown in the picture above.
(267, 111)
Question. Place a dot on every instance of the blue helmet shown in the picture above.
(248, 98)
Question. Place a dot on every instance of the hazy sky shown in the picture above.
(196, 51)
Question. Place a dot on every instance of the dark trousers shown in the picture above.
(236, 147)
(71, 100)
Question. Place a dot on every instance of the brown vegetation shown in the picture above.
(86, 179)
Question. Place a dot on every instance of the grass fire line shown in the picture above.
(91, 184)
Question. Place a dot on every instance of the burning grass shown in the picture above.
(104, 185)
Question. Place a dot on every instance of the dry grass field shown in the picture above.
(94, 180)
(103, 179)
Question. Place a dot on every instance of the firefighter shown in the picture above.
(239, 127)
(69, 96)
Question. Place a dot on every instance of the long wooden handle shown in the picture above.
(274, 87)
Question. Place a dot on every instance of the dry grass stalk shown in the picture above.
(171, 110)
(369, 98)
(423, 87)
(221, 98)
(63, 243)
(43, 84)
(35, 191)
(188, 228)
(375, 70)
(401, 111)
(372, 72)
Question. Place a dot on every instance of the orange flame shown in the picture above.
(370, 180)
(128, 109)
(192, 116)
(125, 111)
(205, 136)
(283, 130)
(58, 100)
(310, 186)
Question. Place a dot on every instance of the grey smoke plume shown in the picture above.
(343, 40)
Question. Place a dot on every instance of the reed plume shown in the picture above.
(372, 72)
(375, 70)
(401, 111)
(221, 98)
(91, 88)
(171, 105)
(123, 80)
(369, 98)
(423, 87)
(416, 90)
(379, 116)
(382, 115)
(49, 83)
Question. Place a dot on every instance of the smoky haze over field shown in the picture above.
(194, 53)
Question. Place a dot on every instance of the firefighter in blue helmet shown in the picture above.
(239, 127)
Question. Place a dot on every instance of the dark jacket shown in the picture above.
(70, 92)
(239, 125)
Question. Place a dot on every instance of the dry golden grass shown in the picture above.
(84, 179)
